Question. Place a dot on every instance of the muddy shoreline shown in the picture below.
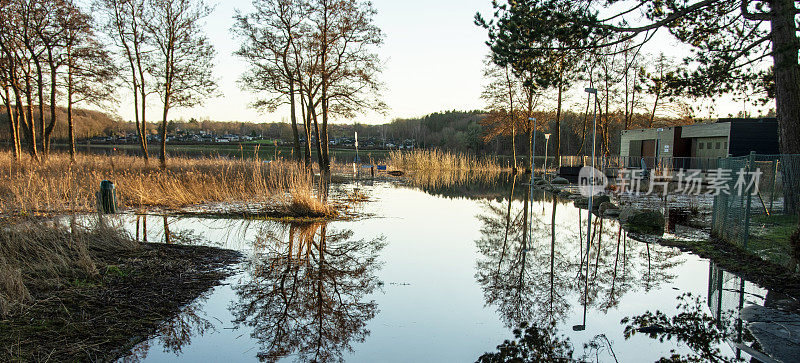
(101, 319)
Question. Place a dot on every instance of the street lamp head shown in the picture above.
(547, 136)
(579, 327)
(532, 118)
(660, 129)
(591, 90)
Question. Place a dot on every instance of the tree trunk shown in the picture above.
(317, 141)
(324, 134)
(511, 119)
(70, 125)
(787, 92)
(11, 124)
(295, 133)
(307, 127)
(50, 125)
(40, 94)
(29, 124)
(162, 155)
(143, 91)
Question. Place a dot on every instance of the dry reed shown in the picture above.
(437, 168)
(436, 160)
(45, 255)
(58, 185)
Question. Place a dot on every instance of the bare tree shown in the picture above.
(271, 37)
(89, 68)
(9, 74)
(124, 24)
(183, 57)
(349, 67)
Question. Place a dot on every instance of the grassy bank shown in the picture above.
(57, 185)
(74, 293)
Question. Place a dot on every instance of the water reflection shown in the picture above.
(532, 262)
(304, 291)
(176, 333)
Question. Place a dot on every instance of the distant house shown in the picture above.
(727, 136)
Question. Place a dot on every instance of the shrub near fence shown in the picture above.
(758, 219)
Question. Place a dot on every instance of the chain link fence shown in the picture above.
(758, 212)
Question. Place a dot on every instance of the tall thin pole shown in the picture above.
(591, 198)
(533, 169)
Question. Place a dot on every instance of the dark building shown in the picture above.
(726, 136)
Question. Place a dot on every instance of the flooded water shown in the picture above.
(440, 274)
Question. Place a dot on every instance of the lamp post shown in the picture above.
(589, 91)
(533, 148)
(546, 143)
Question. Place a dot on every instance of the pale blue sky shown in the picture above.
(433, 59)
(433, 56)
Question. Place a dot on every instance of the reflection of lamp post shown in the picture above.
(546, 142)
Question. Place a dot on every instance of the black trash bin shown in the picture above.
(107, 197)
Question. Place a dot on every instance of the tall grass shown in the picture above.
(436, 160)
(36, 255)
(58, 185)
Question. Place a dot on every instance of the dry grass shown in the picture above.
(46, 255)
(436, 168)
(59, 186)
(434, 161)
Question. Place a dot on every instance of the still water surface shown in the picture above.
(440, 275)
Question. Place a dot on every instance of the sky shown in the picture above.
(433, 56)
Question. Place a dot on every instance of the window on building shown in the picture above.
(709, 145)
(719, 144)
(725, 145)
(701, 145)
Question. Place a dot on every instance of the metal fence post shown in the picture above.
(774, 177)
(750, 165)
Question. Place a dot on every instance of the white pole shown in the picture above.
(546, 143)
(355, 162)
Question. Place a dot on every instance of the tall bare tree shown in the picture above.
(90, 71)
(348, 66)
(272, 36)
(125, 25)
(183, 59)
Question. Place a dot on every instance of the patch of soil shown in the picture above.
(101, 320)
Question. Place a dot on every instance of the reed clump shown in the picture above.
(58, 185)
(36, 256)
(435, 160)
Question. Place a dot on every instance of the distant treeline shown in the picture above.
(463, 131)
(87, 123)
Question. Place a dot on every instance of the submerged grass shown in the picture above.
(58, 185)
(70, 292)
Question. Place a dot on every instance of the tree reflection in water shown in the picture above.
(305, 291)
(177, 333)
(692, 327)
(532, 278)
